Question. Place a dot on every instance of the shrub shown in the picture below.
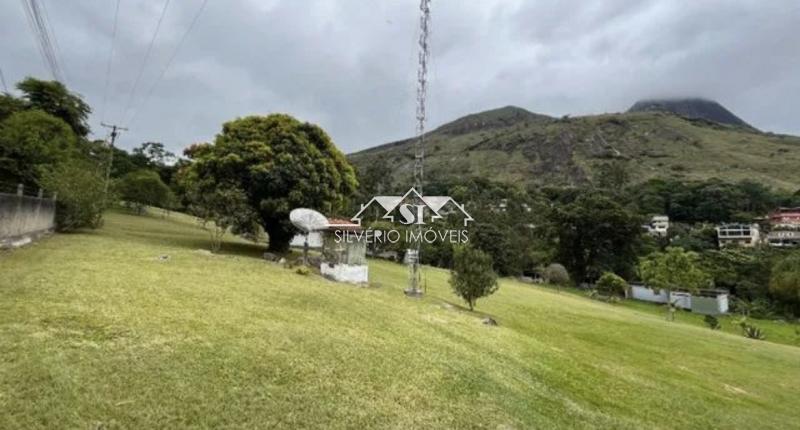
(81, 198)
(556, 274)
(751, 331)
(144, 188)
(712, 322)
(611, 284)
(303, 270)
(785, 280)
(472, 276)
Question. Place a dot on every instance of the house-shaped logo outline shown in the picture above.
(390, 203)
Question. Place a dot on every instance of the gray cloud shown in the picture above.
(350, 65)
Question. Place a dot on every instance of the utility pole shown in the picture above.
(114, 133)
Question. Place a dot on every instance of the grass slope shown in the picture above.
(506, 145)
(96, 331)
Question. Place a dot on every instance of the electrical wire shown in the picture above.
(108, 64)
(129, 103)
(169, 62)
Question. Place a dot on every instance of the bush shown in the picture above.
(144, 188)
(81, 198)
(712, 322)
(785, 280)
(303, 270)
(610, 284)
(751, 331)
(472, 276)
(556, 274)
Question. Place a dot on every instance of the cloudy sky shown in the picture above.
(350, 65)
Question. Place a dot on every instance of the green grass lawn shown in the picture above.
(97, 332)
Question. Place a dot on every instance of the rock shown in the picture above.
(282, 261)
(270, 256)
(525, 279)
(489, 321)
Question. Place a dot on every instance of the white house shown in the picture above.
(658, 226)
(705, 302)
(746, 235)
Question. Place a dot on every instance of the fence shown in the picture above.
(24, 218)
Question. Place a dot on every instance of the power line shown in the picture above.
(108, 65)
(40, 28)
(129, 104)
(56, 46)
(169, 62)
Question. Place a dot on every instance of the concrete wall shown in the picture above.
(680, 299)
(710, 305)
(24, 218)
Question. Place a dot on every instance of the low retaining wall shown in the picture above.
(24, 219)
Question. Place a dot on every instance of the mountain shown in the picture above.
(511, 144)
(694, 108)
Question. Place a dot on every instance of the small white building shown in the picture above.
(704, 302)
(344, 252)
(746, 235)
(658, 226)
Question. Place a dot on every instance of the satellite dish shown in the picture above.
(307, 220)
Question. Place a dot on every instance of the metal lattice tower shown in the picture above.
(415, 274)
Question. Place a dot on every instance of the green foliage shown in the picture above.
(54, 98)
(303, 270)
(711, 201)
(10, 105)
(280, 164)
(594, 234)
(223, 208)
(556, 274)
(611, 284)
(712, 322)
(785, 280)
(80, 194)
(673, 269)
(613, 176)
(745, 272)
(751, 331)
(31, 141)
(144, 188)
(760, 308)
(472, 276)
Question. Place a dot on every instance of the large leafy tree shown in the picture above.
(594, 234)
(31, 141)
(280, 164)
(54, 98)
(673, 269)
